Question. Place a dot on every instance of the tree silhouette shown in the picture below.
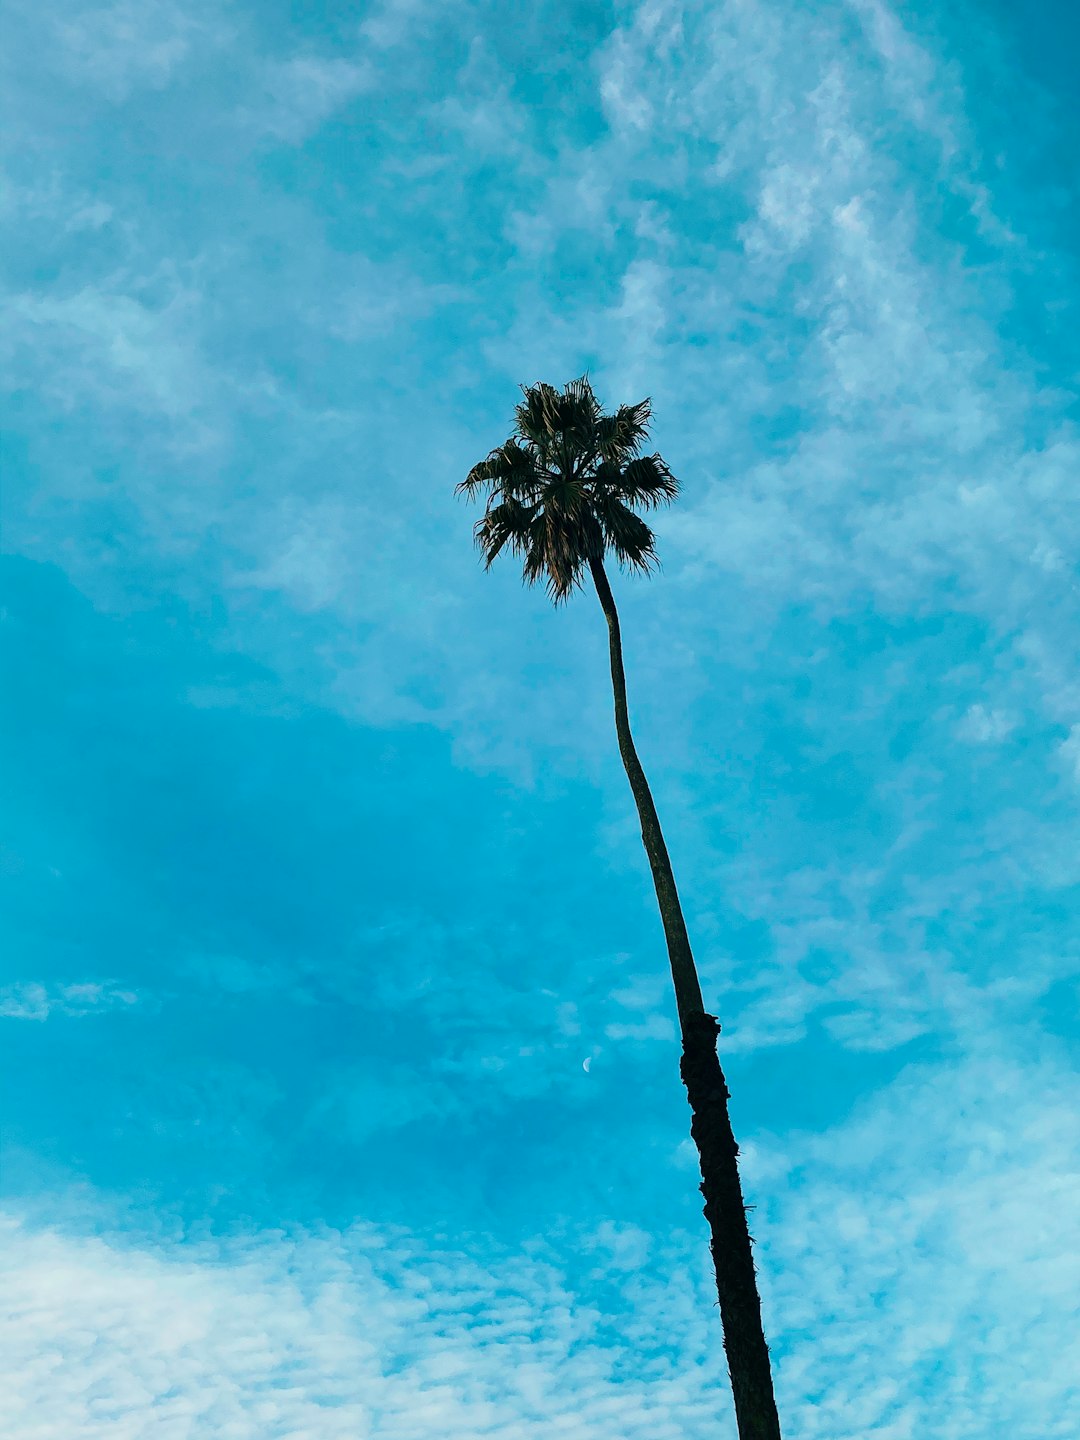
(562, 493)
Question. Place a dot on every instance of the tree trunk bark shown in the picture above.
(707, 1092)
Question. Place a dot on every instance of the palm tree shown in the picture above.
(561, 493)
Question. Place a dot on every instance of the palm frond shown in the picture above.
(506, 523)
(647, 481)
(631, 430)
(559, 425)
(535, 415)
(579, 413)
(625, 533)
(509, 468)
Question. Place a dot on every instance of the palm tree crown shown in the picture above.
(561, 490)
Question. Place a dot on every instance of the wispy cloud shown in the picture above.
(125, 46)
(306, 90)
(109, 346)
(31, 1000)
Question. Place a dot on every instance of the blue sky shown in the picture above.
(322, 882)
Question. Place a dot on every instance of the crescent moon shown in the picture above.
(585, 1064)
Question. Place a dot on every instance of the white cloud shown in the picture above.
(110, 345)
(303, 92)
(983, 726)
(393, 21)
(323, 1336)
(131, 45)
(918, 1263)
(928, 466)
(651, 1027)
(952, 1252)
(311, 563)
(30, 1000)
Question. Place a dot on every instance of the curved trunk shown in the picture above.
(736, 1282)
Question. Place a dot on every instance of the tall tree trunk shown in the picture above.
(736, 1282)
